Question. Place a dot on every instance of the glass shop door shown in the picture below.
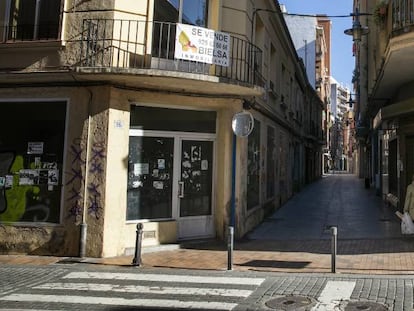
(195, 191)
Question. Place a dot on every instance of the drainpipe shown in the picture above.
(180, 11)
(36, 21)
(84, 225)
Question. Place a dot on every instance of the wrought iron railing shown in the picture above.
(402, 14)
(129, 44)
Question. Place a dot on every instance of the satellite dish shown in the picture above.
(242, 123)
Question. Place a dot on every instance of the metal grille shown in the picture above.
(126, 44)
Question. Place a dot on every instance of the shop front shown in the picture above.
(395, 145)
(171, 169)
(31, 161)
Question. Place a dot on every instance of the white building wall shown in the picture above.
(303, 32)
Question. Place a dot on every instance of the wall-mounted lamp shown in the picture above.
(351, 101)
(357, 30)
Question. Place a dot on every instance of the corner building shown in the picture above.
(102, 127)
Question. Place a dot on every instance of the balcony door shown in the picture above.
(166, 14)
(192, 12)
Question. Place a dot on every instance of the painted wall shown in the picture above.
(53, 238)
(303, 33)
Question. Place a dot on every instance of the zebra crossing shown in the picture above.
(79, 290)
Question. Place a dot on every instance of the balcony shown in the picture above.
(402, 16)
(396, 69)
(141, 49)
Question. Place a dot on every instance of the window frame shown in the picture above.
(62, 166)
(8, 36)
(181, 7)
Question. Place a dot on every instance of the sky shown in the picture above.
(342, 61)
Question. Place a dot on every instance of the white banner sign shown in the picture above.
(202, 45)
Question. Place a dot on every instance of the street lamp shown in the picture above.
(357, 30)
(351, 101)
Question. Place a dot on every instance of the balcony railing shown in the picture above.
(402, 14)
(131, 44)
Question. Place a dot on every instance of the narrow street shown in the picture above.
(374, 264)
(297, 237)
(339, 200)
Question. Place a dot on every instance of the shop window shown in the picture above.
(31, 156)
(253, 167)
(150, 171)
(32, 20)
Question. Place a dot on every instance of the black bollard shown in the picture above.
(334, 232)
(230, 245)
(137, 257)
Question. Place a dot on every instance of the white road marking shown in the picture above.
(333, 293)
(164, 278)
(164, 303)
(147, 289)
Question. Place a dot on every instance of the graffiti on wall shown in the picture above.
(76, 179)
(96, 174)
(27, 188)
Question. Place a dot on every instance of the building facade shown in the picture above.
(117, 113)
(341, 116)
(311, 36)
(385, 119)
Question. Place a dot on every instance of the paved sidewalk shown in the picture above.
(369, 238)
(392, 256)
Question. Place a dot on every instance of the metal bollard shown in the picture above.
(334, 232)
(230, 243)
(137, 257)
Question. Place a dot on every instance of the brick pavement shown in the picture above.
(370, 241)
(392, 256)
(389, 256)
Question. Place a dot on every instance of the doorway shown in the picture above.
(170, 176)
(195, 216)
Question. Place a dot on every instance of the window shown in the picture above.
(193, 12)
(31, 156)
(32, 20)
(147, 196)
(253, 167)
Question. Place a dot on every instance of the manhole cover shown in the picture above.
(289, 303)
(365, 306)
